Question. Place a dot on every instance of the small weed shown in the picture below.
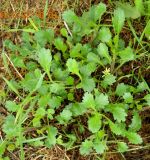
(72, 93)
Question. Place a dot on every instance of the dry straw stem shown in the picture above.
(13, 66)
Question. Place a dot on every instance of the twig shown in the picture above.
(13, 66)
(67, 28)
(12, 6)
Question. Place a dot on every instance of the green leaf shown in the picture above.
(103, 52)
(77, 109)
(136, 122)
(43, 101)
(50, 113)
(121, 89)
(32, 80)
(122, 147)
(75, 51)
(99, 146)
(51, 137)
(101, 101)
(39, 83)
(118, 20)
(94, 123)
(86, 147)
(58, 88)
(104, 34)
(11, 147)
(139, 5)
(115, 128)
(64, 32)
(92, 57)
(70, 80)
(60, 75)
(127, 55)
(36, 121)
(73, 66)
(44, 36)
(142, 86)
(118, 111)
(12, 106)
(69, 16)
(55, 102)
(88, 100)
(87, 70)
(31, 66)
(147, 31)
(9, 127)
(97, 11)
(128, 98)
(45, 58)
(65, 116)
(11, 86)
(37, 143)
(2, 147)
(72, 139)
(40, 112)
(130, 11)
(134, 137)
(9, 44)
(108, 80)
(147, 98)
(18, 62)
(88, 84)
(60, 45)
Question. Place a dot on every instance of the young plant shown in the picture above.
(72, 87)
